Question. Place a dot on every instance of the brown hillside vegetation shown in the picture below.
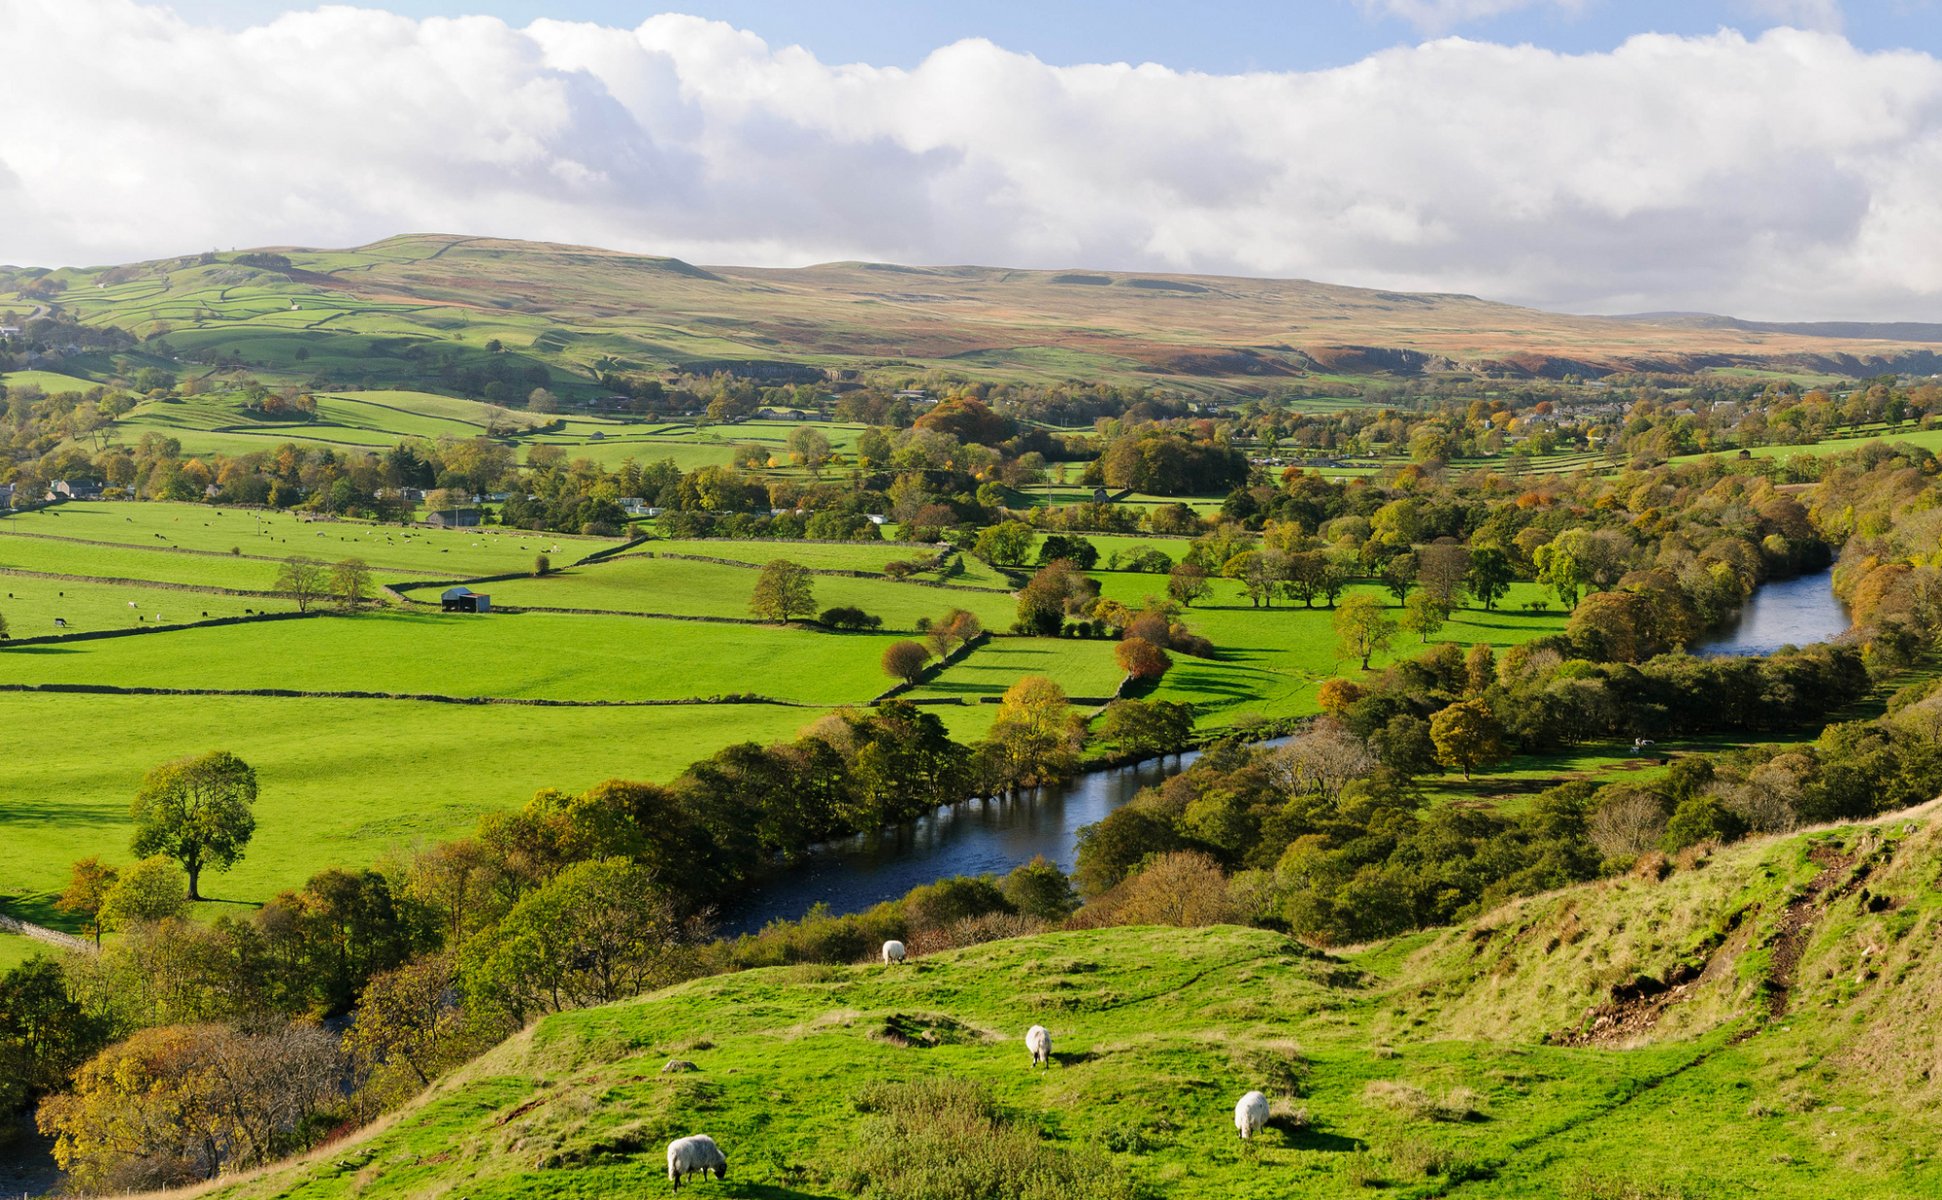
(606, 307)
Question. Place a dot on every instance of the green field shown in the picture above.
(149, 540)
(51, 382)
(31, 603)
(343, 782)
(521, 656)
(817, 556)
(679, 587)
(1269, 662)
(1082, 668)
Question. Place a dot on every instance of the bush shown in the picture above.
(850, 618)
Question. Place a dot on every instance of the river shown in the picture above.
(977, 837)
(981, 837)
(1788, 612)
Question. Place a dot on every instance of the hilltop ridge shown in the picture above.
(583, 311)
(1760, 1022)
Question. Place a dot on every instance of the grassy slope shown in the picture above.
(1158, 1030)
(571, 309)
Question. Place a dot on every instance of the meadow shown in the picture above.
(517, 656)
(343, 782)
(682, 587)
(242, 548)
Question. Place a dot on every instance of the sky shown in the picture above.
(1773, 159)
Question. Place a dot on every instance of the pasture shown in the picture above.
(680, 587)
(32, 603)
(515, 656)
(1084, 668)
(343, 782)
(242, 548)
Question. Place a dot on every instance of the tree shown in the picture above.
(88, 884)
(181, 1103)
(1141, 659)
(540, 400)
(1363, 628)
(905, 660)
(1006, 543)
(1036, 738)
(409, 1030)
(1052, 592)
(1141, 728)
(600, 931)
(1039, 889)
(1083, 553)
(197, 811)
(304, 580)
(350, 582)
(542, 565)
(1424, 614)
(809, 447)
(44, 1033)
(1187, 583)
(1468, 735)
(782, 591)
(1443, 568)
(154, 889)
(1399, 575)
(1490, 575)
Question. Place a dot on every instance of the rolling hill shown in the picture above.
(377, 315)
(1760, 1023)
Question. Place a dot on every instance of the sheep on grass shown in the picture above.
(697, 1153)
(1251, 1114)
(893, 952)
(1039, 1041)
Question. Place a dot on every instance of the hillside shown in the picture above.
(1759, 1024)
(368, 316)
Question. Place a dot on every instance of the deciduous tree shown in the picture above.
(783, 591)
(197, 811)
(1363, 628)
(304, 580)
(1467, 735)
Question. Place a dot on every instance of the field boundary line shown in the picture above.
(42, 933)
(110, 689)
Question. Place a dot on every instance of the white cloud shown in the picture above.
(1787, 176)
(1823, 16)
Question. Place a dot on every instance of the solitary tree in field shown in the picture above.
(196, 811)
(304, 580)
(1424, 614)
(810, 448)
(1188, 583)
(88, 885)
(1363, 627)
(350, 583)
(1489, 576)
(905, 660)
(783, 591)
(541, 565)
(1467, 735)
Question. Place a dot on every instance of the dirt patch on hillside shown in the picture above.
(1797, 923)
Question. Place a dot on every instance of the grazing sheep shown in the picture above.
(1251, 1114)
(697, 1153)
(893, 952)
(1039, 1041)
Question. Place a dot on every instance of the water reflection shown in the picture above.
(1789, 612)
(976, 837)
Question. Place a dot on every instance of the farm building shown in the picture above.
(73, 489)
(464, 599)
(453, 518)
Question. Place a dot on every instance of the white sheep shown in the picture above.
(697, 1153)
(1251, 1114)
(1039, 1041)
(893, 952)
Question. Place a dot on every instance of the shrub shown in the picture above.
(905, 661)
(849, 618)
